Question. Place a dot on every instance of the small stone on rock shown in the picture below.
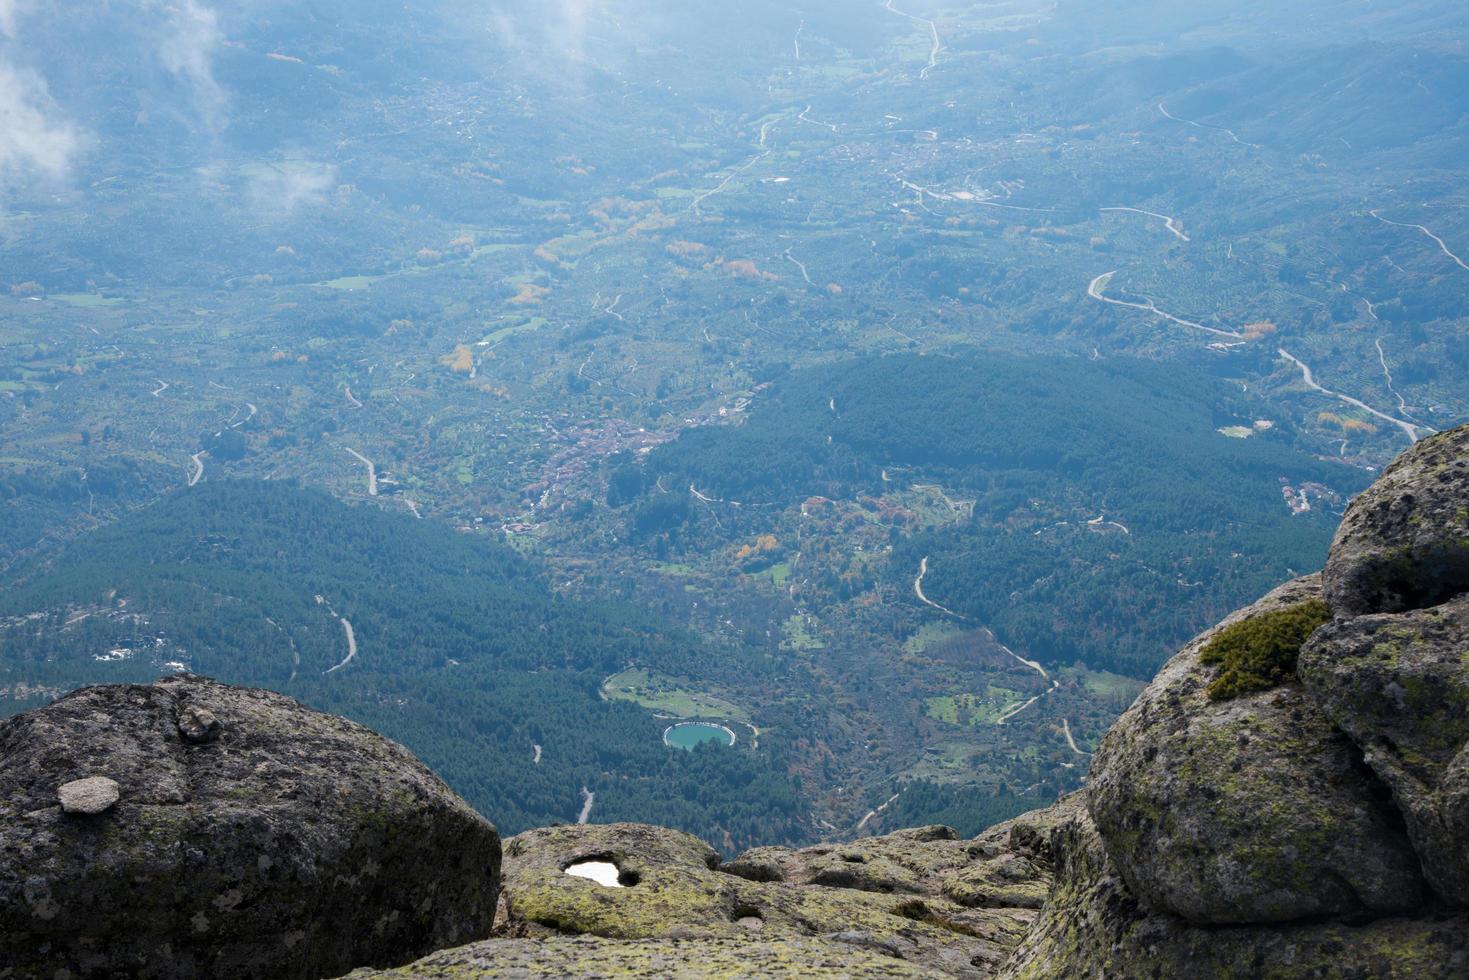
(92, 795)
(198, 725)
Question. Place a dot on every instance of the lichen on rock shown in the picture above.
(647, 959)
(1094, 927)
(921, 896)
(1404, 543)
(1398, 685)
(1252, 810)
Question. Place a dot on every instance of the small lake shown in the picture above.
(688, 734)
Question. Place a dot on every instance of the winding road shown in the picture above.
(1012, 713)
(253, 412)
(371, 471)
(1097, 290)
(351, 398)
(1033, 665)
(933, 30)
(611, 309)
(587, 799)
(1441, 245)
(1198, 125)
(918, 591)
(1103, 522)
(1168, 220)
(872, 813)
(351, 645)
(1382, 359)
(711, 500)
(699, 199)
(1070, 740)
(799, 265)
(1408, 428)
(198, 473)
(805, 118)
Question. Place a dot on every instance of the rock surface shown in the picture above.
(920, 897)
(1398, 685)
(293, 844)
(1252, 810)
(1404, 543)
(90, 796)
(1004, 867)
(1370, 737)
(594, 959)
(1094, 929)
(198, 725)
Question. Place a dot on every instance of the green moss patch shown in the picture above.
(1260, 652)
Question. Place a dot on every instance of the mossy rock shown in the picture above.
(706, 959)
(1404, 543)
(1251, 810)
(1093, 926)
(1399, 686)
(1260, 652)
(898, 906)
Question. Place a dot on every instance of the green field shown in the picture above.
(973, 710)
(86, 300)
(350, 283)
(799, 636)
(669, 696)
(504, 333)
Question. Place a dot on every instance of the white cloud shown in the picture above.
(186, 47)
(10, 11)
(34, 142)
(571, 27)
(283, 189)
(551, 38)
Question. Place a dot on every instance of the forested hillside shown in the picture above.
(461, 651)
(1108, 516)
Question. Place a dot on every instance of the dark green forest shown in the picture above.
(960, 807)
(464, 655)
(1111, 519)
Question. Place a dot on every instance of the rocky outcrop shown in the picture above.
(919, 902)
(1314, 828)
(898, 896)
(1404, 543)
(1006, 867)
(656, 959)
(1398, 685)
(1094, 928)
(187, 829)
(1248, 810)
